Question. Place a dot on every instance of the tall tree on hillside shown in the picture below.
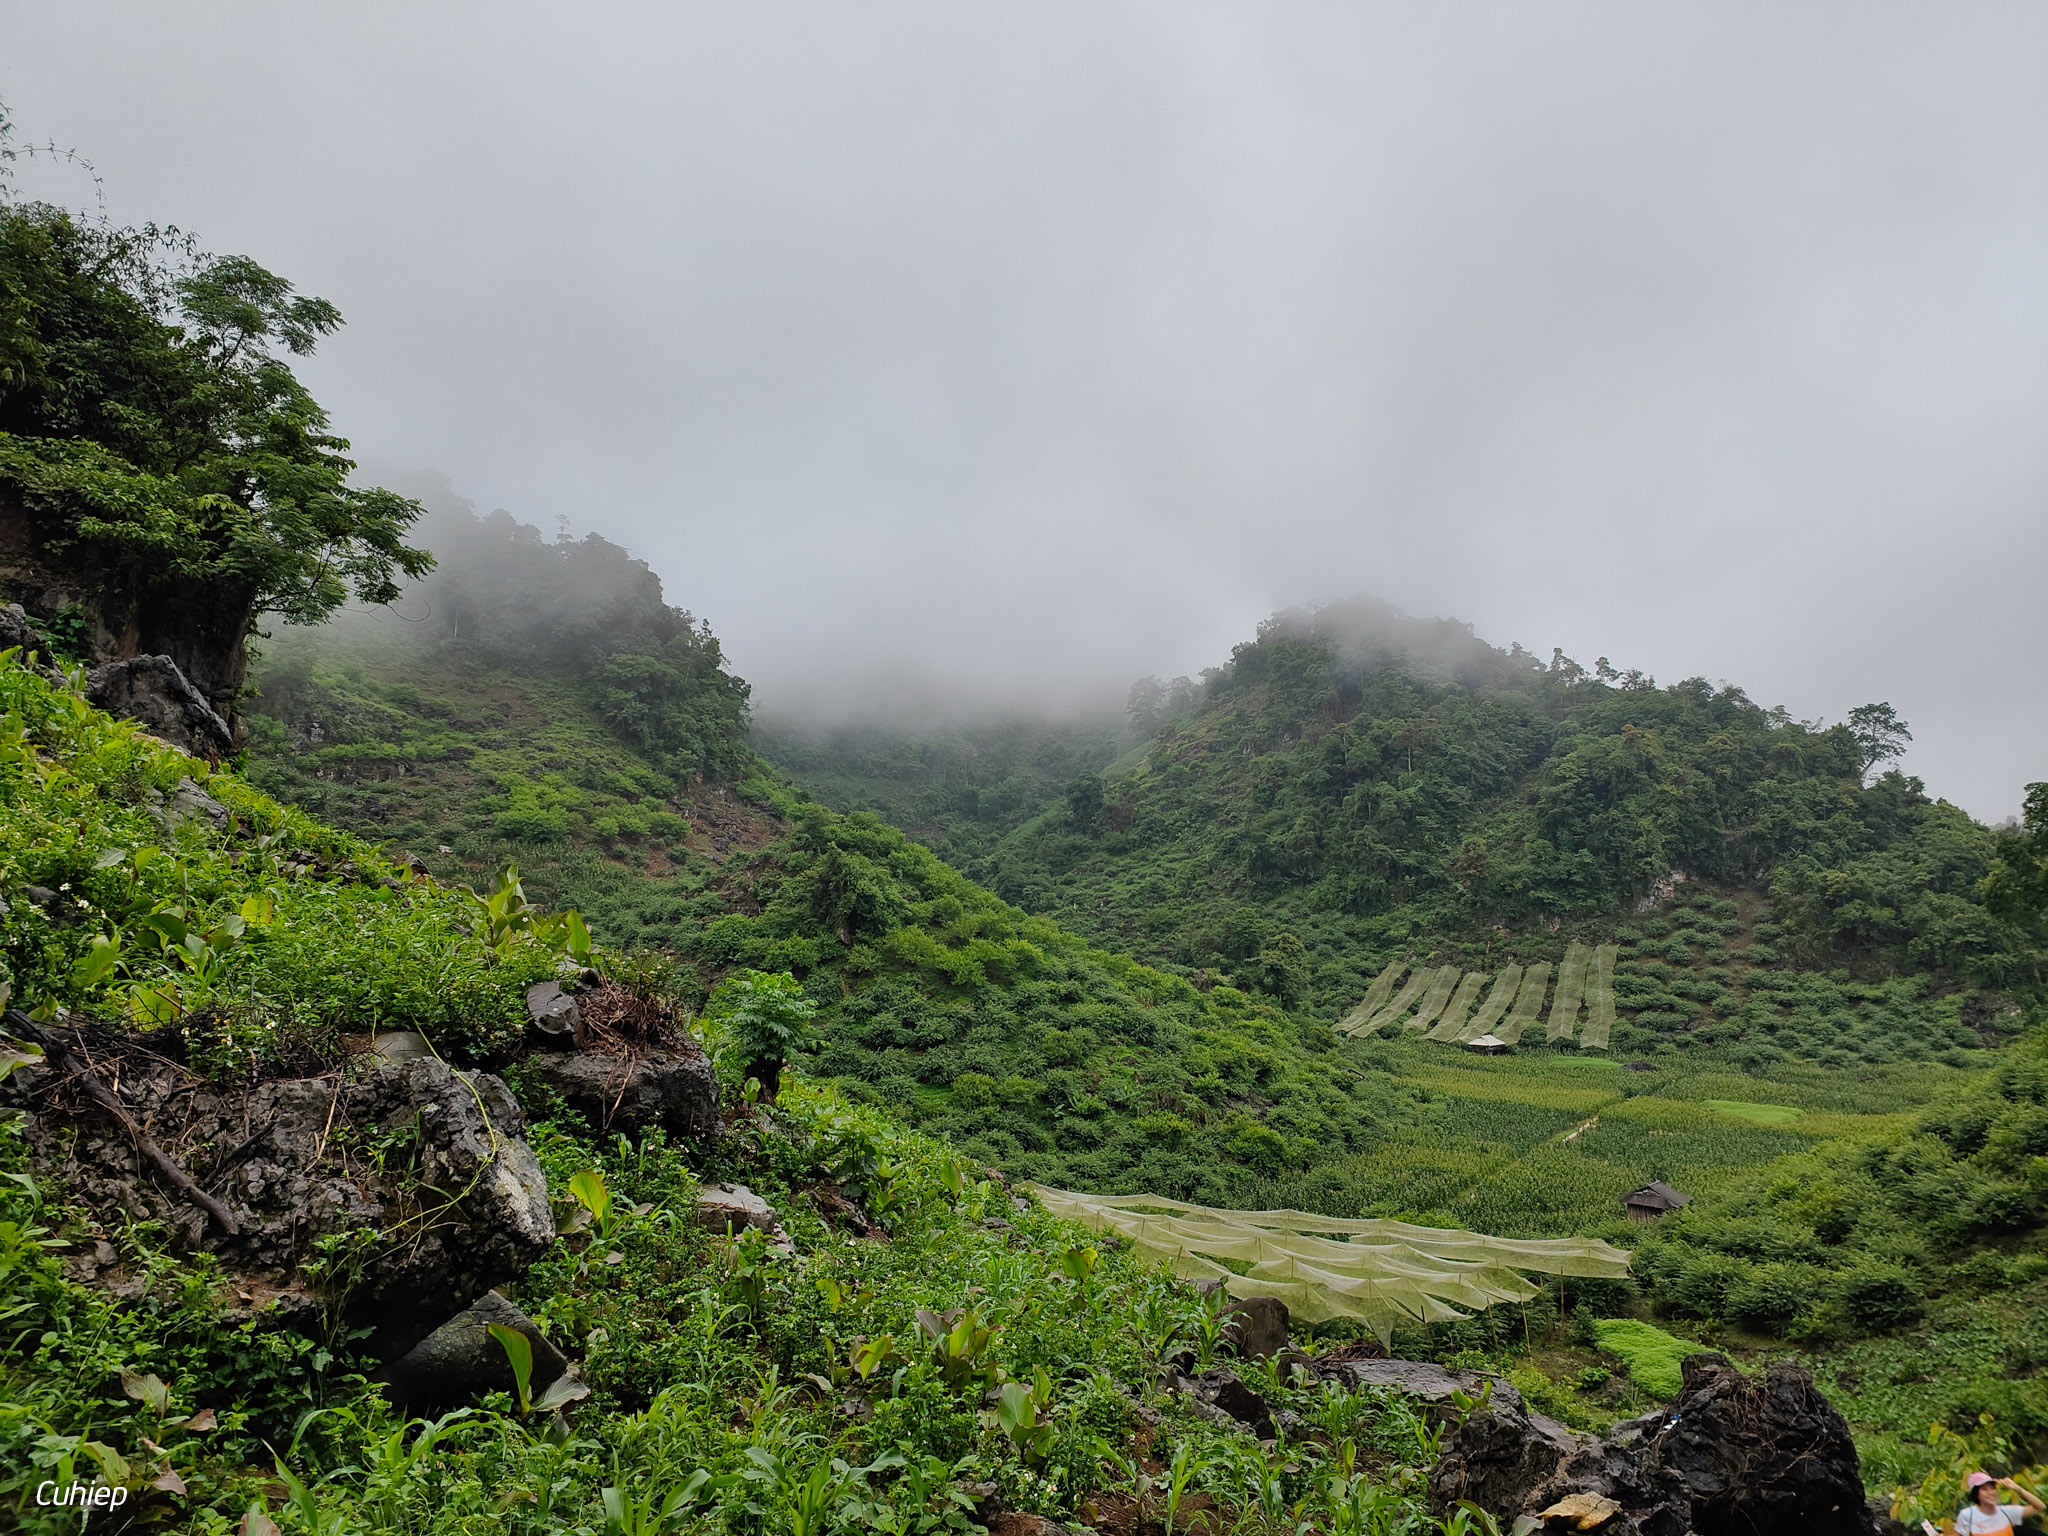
(1879, 733)
(165, 479)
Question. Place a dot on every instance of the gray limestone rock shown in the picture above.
(676, 1091)
(461, 1360)
(153, 692)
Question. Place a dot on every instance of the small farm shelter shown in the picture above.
(1652, 1201)
(1487, 1045)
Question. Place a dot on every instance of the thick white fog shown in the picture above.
(989, 356)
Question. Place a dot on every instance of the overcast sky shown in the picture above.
(1005, 352)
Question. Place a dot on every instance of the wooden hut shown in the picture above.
(1653, 1200)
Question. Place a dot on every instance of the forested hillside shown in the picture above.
(1377, 786)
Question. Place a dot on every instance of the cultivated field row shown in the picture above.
(1444, 1002)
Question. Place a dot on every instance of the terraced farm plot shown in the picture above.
(1392, 1013)
(1452, 1024)
(1571, 982)
(1435, 998)
(1375, 997)
(1495, 1005)
(1600, 999)
(1528, 1003)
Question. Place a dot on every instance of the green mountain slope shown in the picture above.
(1380, 788)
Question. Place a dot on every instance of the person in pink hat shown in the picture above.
(1984, 1515)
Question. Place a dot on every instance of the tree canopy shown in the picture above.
(157, 443)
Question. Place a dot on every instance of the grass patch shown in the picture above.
(1651, 1355)
(1756, 1114)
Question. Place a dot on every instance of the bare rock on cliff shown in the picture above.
(153, 692)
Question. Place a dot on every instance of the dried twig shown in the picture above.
(63, 1056)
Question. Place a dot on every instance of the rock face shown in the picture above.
(1732, 1456)
(153, 692)
(460, 1360)
(1258, 1327)
(1499, 1456)
(675, 1090)
(729, 1209)
(1634, 1493)
(555, 1019)
(421, 1171)
(16, 633)
(1762, 1456)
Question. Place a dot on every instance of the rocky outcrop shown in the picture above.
(461, 1360)
(553, 1017)
(1761, 1456)
(16, 633)
(392, 1198)
(1612, 1486)
(155, 693)
(675, 1090)
(729, 1209)
(1257, 1327)
(1499, 1455)
(1733, 1456)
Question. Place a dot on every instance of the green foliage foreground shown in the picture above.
(981, 1349)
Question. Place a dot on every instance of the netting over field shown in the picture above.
(1375, 997)
(1433, 1000)
(1452, 1024)
(1600, 999)
(1495, 1005)
(1403, 1001)
(1571, 982)
(1528, 1003)
(1323, 1267)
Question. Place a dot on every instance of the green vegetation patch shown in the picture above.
(1756, 1114)
(1652, 1356)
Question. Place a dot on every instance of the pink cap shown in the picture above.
(1978, 1480)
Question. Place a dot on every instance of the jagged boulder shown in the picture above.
(419, 1174)
(1498, 1456)
(553, 1018)
(17, 633)
(1611, 1486)
(729, 1209)
(1733, 1456)
(1257, 1326)
(461, 1360)
(675, 1090)
(153, 692)
(1761, 1456)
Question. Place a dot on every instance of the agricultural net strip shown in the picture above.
(1571, 982)
(1495, 1005)
(1600, 999)
(1375, 997)
(1403, 1001)
(1433, 1000)
(1452, 1024)
(1528, 1003)
(1381, 1272)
